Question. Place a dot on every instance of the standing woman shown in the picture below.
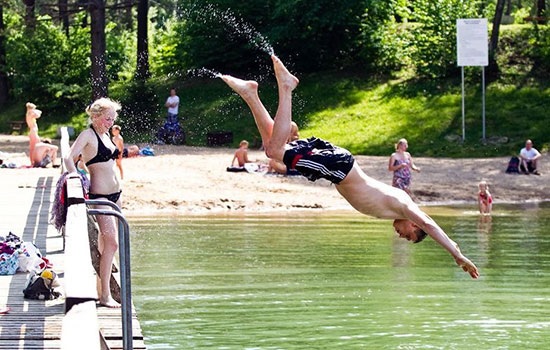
(401, 164)
(99, 153)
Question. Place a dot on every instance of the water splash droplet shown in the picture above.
(235, 26)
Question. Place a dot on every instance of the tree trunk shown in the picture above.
(97, 31)
(128, 18)
(4, 89)
(64, 16)
(142, 67)
(541, 12)
(493, 69)
(508, 11)
(30, 19)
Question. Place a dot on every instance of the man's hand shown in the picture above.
(467, 266)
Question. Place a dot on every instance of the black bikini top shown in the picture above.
(104, 154)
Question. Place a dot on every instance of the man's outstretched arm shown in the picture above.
(429, 226)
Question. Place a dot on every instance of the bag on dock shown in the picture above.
(41, 286)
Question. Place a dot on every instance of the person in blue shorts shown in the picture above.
(315, 158)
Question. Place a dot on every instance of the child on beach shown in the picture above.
(241, 155)
(484, 198)
(315, 158)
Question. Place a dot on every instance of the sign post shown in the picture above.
(472, 49)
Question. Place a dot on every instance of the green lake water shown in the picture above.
(331, 281)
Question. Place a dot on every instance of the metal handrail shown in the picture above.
(124, 257)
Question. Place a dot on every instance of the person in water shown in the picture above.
(484, 198)
(99, 153)
(315, 158)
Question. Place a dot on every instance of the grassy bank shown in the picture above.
(365, 116)
(369, 117)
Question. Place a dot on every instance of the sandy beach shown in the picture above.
(183, 180)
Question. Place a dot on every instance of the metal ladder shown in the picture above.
(124, 260)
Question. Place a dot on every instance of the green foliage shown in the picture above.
(139, 116)
(433, 48)
(120, 53)
(317, 34)
(228, 35)
(63, 64)
(383, 40)
(341, 41)
(163, 51)
(540, 43)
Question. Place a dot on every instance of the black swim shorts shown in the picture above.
(315, 158)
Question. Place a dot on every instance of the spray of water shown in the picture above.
(204, 73)
(233, 25)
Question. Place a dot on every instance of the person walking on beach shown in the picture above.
(401, 163)
(99, 153)
(315, 158)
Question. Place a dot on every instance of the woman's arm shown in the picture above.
(76, 150)
(391, 166)
(413, 166)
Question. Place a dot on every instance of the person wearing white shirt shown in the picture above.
(172, 103)
(529, 157)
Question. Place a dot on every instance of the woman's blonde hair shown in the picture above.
(400, 142)
(99, 106)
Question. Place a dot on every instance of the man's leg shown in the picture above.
(274, 134)
(286, 83)
(248, 90)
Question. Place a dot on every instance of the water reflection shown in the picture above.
(346, 282)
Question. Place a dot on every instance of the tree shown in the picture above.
(142, 64)
(64, 15)
(541, 11)
(493, 68)
(4, 92)
(97, 31)
(30, 19)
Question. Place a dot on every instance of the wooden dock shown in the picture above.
(25, 200)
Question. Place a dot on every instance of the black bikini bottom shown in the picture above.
(113, 197)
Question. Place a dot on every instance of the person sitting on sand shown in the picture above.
(241, 155)
(484, 198)
(529, 157)
(315, 158)
(41, 152)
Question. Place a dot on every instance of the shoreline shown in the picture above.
(193, 181)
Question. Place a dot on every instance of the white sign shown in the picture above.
(472, 44)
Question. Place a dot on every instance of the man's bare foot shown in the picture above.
(284, 78)
(245, 88)
(109, 302)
